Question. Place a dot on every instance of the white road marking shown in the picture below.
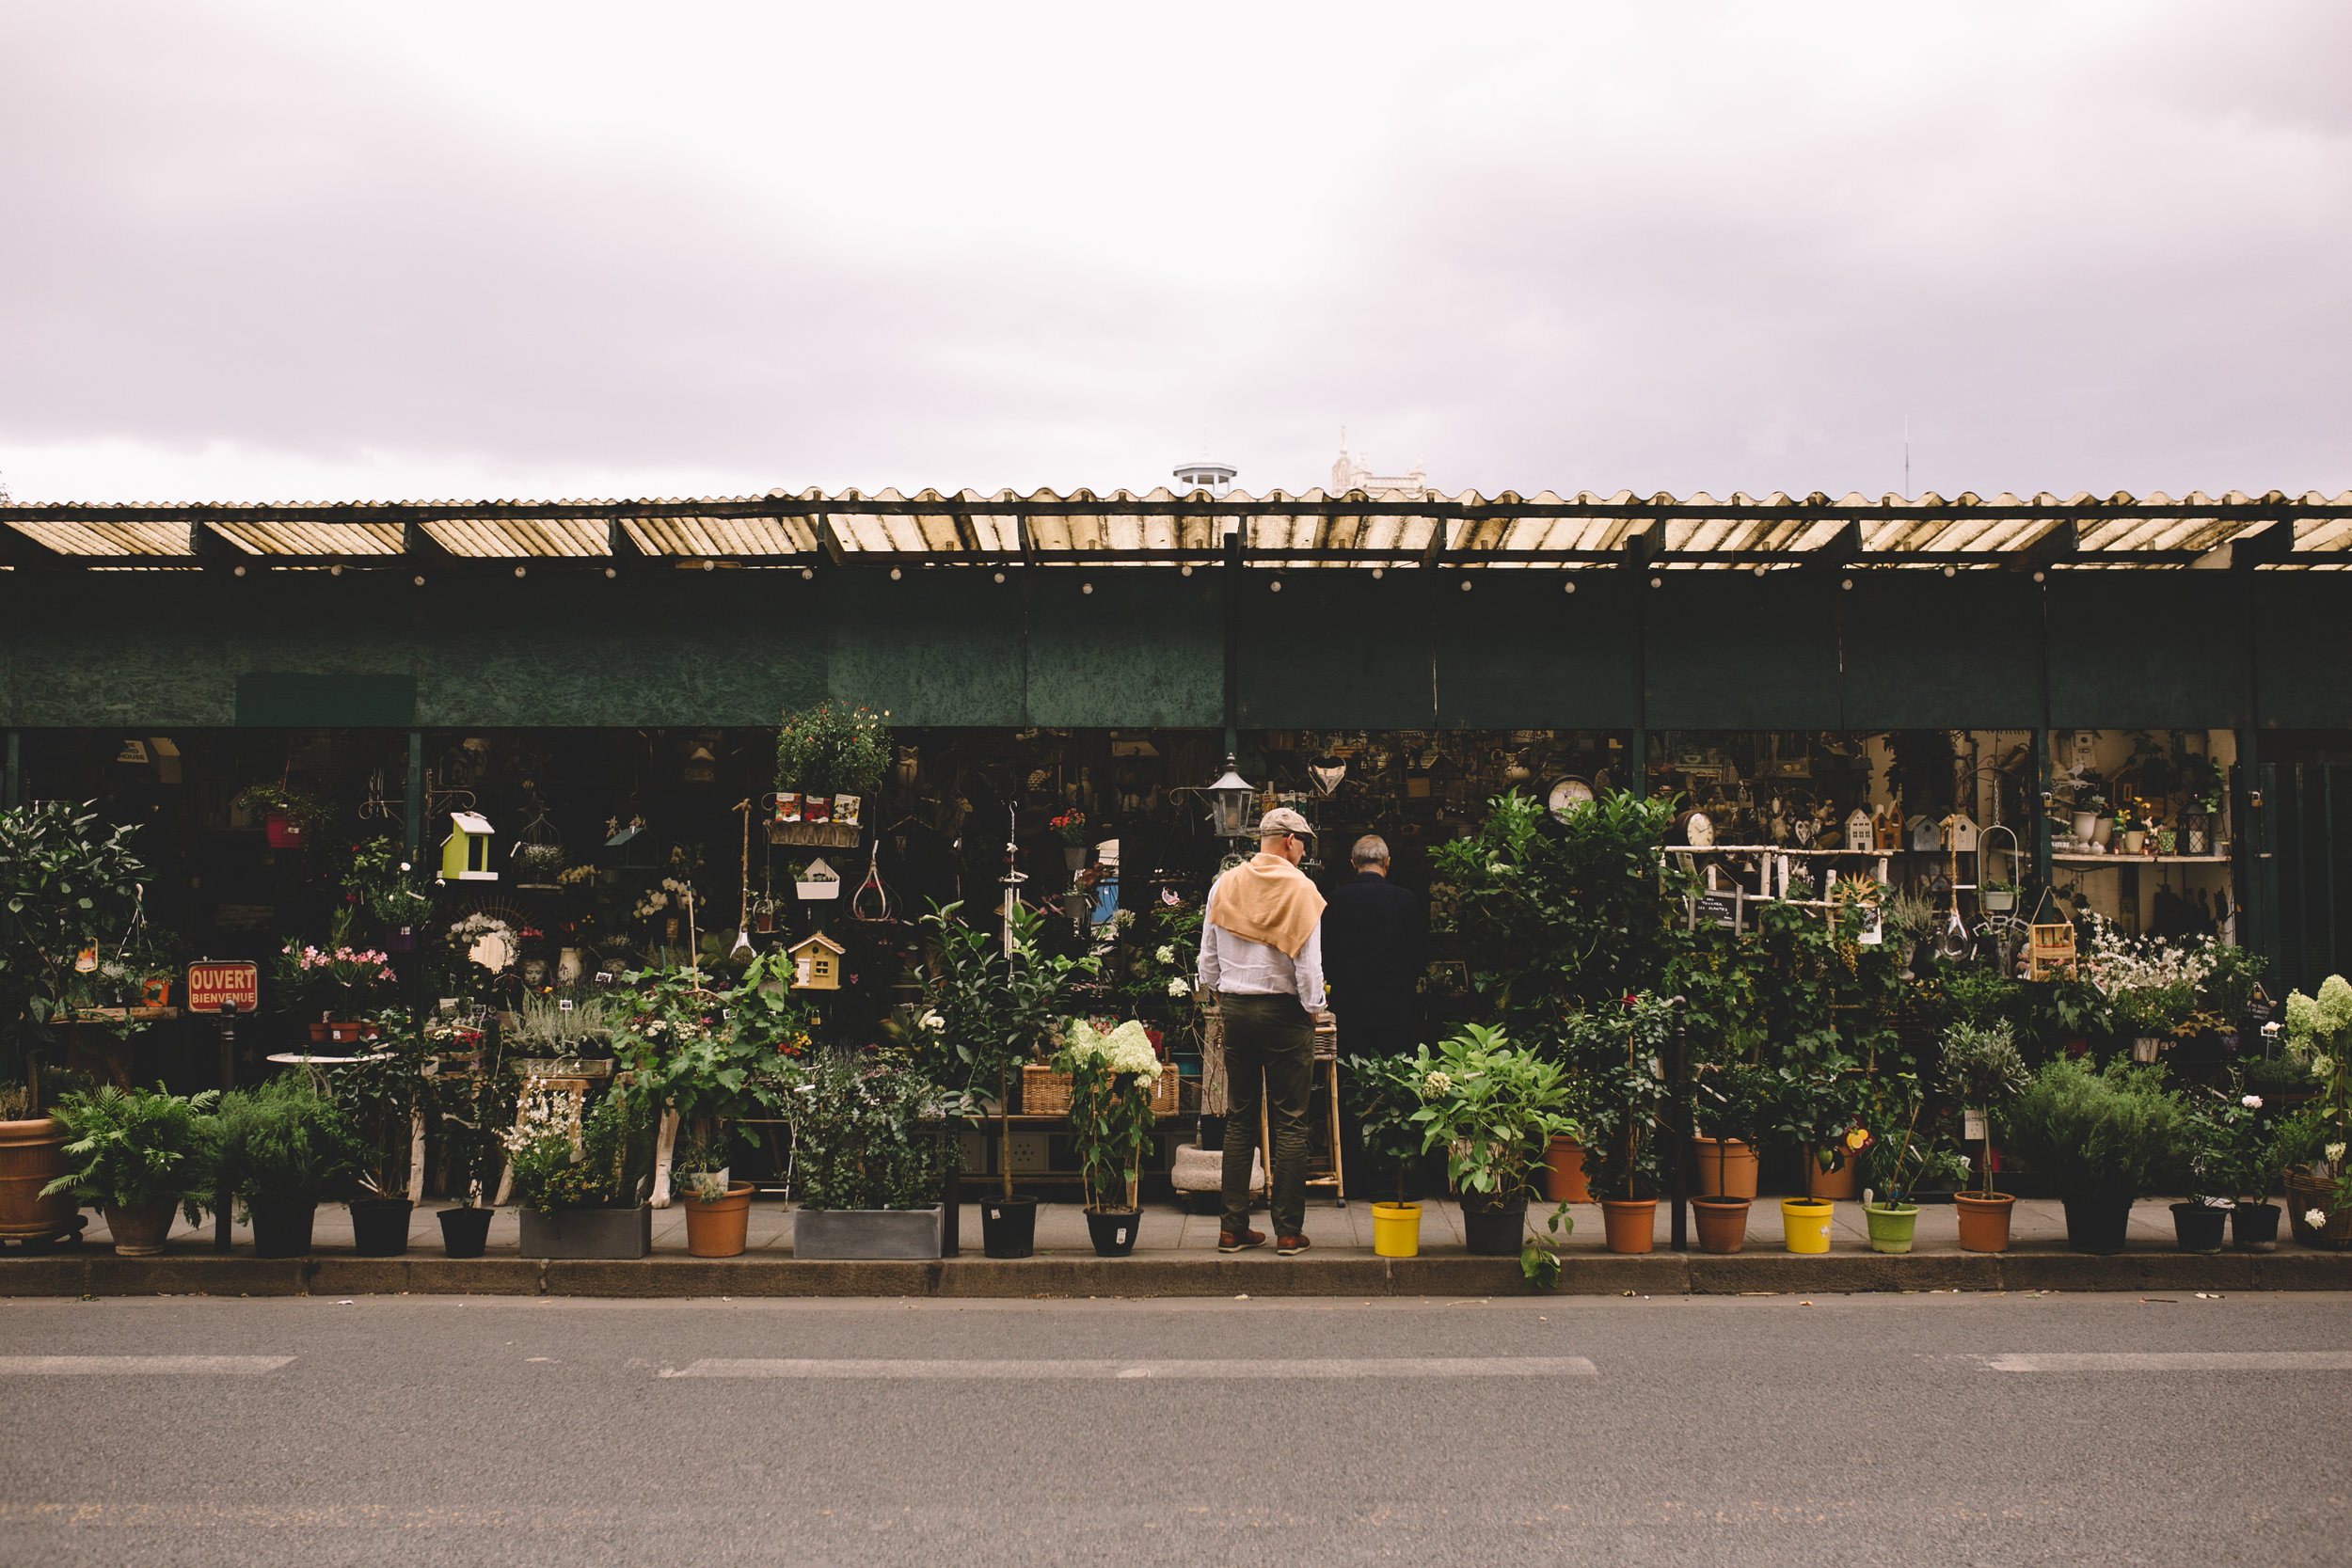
(122, 1366)
(2178, 1361)
(1484, 1366)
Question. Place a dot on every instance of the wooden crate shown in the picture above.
(2051, 948)
(1046, 1093)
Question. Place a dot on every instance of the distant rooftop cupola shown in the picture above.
(1211, 477)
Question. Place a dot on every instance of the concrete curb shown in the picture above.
(1654, 1273)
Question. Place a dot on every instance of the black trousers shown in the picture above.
(1269, 1052)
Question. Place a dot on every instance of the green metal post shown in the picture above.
(415, 839)
(2041, 811)
(9, 799)
(1233, 643)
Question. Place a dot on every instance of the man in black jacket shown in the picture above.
(1376, 939)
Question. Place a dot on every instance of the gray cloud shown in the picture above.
(2077, 247)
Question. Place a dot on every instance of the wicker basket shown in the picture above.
(1046, 1093)
(2305, 1192)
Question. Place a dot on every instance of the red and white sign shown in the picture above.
(211, 984)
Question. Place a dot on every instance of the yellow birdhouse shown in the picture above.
(465, 853)
(816, 963)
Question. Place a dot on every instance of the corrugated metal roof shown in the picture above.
(1309, 529)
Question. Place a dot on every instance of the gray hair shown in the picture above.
(1371, 849)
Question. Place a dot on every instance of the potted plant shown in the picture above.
(1983, 1070)
(334, 983)
(865, 1169)
(2221, 1149)
(580, 1170)
(290, 813)
(1112, 1077)
(1070, 827)
(380, 884)
(384, 1094)
(1733, 1106)
(1998, 898)
(1494, 1108)
(2102, 1138)
(1616, 1050)
(2151, 983)
(1896, 1171)
(1386, 1092)
(69, 889)
(137, 1157)
(2318, 1184)
(828, 756)
(997, 1006)
(284, 1149)
(718, 1210)
(476, 1105)
(1816, 1105)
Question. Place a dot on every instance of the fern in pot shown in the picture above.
(137, 1157)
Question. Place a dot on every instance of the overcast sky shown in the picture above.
(258, 252)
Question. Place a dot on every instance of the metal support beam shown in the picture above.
(12, 784)
(413, 840)
(1231, 603)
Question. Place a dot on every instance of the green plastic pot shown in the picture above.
(1891, 1225)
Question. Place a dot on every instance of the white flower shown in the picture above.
(1166, 953)
(2315, 1218)
(1965, 1164)
(1180, 987)
(931, 1021)
(1438, 1083)
(2335, 1154)
(2253, 1103)
(2323, 1066)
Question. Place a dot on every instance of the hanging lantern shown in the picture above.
(1230, 800)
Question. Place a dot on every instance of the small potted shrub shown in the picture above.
(865, 1171)
(2318, 1184)
(718, 1209)
(1895, 1170)
(383, 1092)
(1112, 1077)
(1984, 1071)
(1619, 1089)
(1494, 1108)
(290, 813)
(2102, 1138)
(578, 1172)
(284, 1150)
(137, 1157)
(1386, 1092)
(2219, 1146)
(476, 1105)
(1733, 1106)
(708, 1060)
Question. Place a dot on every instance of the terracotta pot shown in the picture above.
(1629, 1221)
(717, 1229)
(1836, 1185)
(1727, 1167)
(140, 1232)
(1563, 1172)
(1723, 1223)
(32, 1155)
(1983, 1221)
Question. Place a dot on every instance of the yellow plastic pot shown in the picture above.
(1396, 1229)
(1806, 1221)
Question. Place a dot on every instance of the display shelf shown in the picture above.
(2140, 860)
(1787, 850)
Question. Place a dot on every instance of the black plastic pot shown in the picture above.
(464, 1232)
(2097, 1224)
(2254, 1226)
(379, 1225)
(1494, 1231)
(1114, 1230)
(1008, 1226)
(283, 1229)
(1211, 1135)
(2198, 1226)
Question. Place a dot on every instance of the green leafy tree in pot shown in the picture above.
(1983, 1070)
(1617, 1051)
(1494, 1110)
(69, 889)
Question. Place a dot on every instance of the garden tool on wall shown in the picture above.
(871, 895)
(743, 921)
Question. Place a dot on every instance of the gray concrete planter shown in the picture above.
(866, 1232)
(588, 1232)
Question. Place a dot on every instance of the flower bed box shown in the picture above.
(866, 1233)
(599, 1233)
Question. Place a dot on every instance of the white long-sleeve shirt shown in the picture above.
(1234, 963)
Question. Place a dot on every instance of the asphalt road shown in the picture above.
(1950, 1429)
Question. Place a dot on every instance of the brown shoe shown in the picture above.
(1228, 1241)
(1292, 1246)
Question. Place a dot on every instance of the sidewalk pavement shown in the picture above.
(1176, 1256)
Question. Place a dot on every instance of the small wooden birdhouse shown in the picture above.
(1858, 833)
(816, 963)
(465, 853)
(1924, 833)
(1960, 834)
(635, 847)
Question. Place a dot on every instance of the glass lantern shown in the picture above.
(1230, 800)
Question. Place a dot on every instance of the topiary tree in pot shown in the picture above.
(2102, 1137)
(1984, 1071)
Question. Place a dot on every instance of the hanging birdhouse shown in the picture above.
(816, 963)
(465, 853)
(633, 848)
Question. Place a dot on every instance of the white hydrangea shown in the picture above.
(1166, 953)
(2253, 1101)
(2315, 1218)
(1125, 1050)
(1180, 987)
(2335, 1154)
(1436, 1084)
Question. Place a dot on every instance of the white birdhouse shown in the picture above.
(1858, 830)
(465, 853)
(1960, 834)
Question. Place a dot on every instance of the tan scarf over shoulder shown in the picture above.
(1267, 899)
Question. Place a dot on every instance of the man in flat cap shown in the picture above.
(1262, 953)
